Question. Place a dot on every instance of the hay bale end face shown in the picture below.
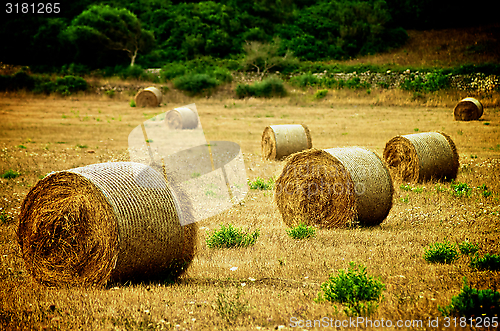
(468, 109)
(334, 188)
(105, 222)
(182, 118)
(149, 97)
(279, 141)
(422, 156)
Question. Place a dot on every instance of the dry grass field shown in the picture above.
(278, 278)
(273, 283)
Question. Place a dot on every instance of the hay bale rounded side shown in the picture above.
(422, 156)
(279, 141)
(334, 188)
(468, 109)
(181, 118)
(372, 183)
(149, 97)
(104, 222)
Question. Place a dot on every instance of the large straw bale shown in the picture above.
(333, 188)
(182, 118)
(105, 222)
(422, 156)
(149, 97)
(279, 141)
(468, 109)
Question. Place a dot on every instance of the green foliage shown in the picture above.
(460, 189)
(487, 262)
(444, 252)
(132, 103)
(230, 236)
(429, 82)
(195, 83)
(270, 87)
(103, 28)
(261, 184)
(359, 292)
(5, 218)
(408, 187)
(484, 191)
(320, 94)
(305, 80)
(10, 174)
(467, 248)
(471, 302)
(301, 231)
(230, 307)
(266, 57)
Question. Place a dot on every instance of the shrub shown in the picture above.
(71, 84)
(195, 83)
(467, 248)
(355, 289)
(487, 262)
(230, 236)
(445, 252)
(244, 91)
(270, 87)
(473, 302)
(320, 94)
(301, 231)
(305, 80)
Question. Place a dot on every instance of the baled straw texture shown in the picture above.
(468, 109)
(149, 97)
(279, 141)
(104, 222)
(334, 188)
(182, 118)
(422, 156)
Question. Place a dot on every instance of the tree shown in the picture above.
(265, 56)
(115, 29)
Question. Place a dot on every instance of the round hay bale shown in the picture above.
(422, 156)
(181, 118)
(105, 222)
(468, 109)
(149, 97)
(279, 141)
(334, 188)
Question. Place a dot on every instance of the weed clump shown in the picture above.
(487, 262)
(10, 174)
(460, 189)
(230, 237)
(261, 184)
(444, 252)
(472, 302)
(301, 231)
(359, 292)
(467, 248)
(230, 307)
(271, 87)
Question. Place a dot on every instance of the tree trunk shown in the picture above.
(132, 62)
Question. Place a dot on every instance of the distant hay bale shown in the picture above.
(105, 222)
(279, 141)
(422, 156)
(334, 188)
(468, 109)
(149, 97)
(182, 118)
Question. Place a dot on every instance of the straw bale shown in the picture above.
(279, 141)
(105, 222)
(149, 97)
(422, 156)
(334, 188)
(182, 118)
(468, 109)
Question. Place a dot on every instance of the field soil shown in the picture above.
(274, 282)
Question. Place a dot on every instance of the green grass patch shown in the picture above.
(10, 174)
(487, 262)
(261, 184)
(444, 252)
(230, 237)
(359, 292)
(302, 231)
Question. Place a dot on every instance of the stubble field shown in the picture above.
(278, 278)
